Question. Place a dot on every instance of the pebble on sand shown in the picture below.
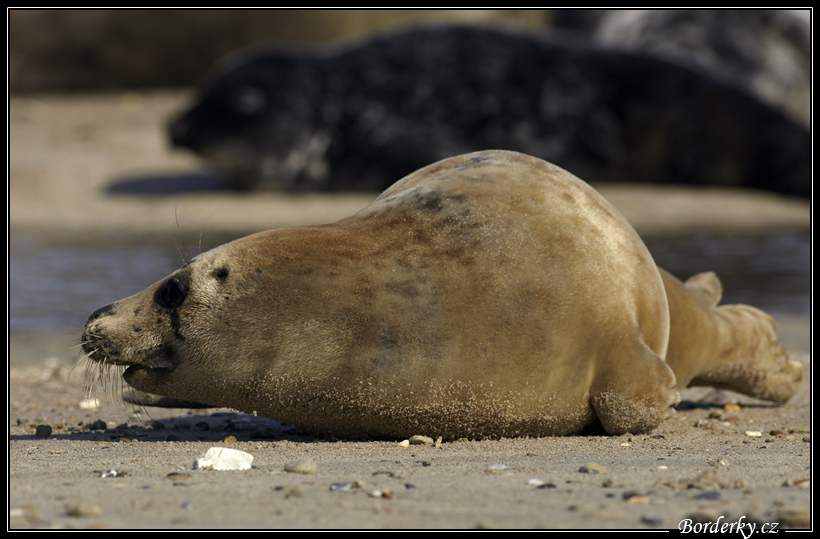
(76, 509)
(223, 458)
(89, 404)
(42, 431)
(592, 468)
(303, 466)
(421, 440)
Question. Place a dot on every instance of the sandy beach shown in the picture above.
(96, 169)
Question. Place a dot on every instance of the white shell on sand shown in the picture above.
(223, 458)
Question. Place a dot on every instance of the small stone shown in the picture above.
(706, 480)
(495, 468)
(711, 495)
(42, 431)
(753, 433)
(731, 407)
(223, 458)
(592, 468)
(341, 486)
(535, 483)
(97, 425)
(290, 491)
(404, 443)
(113, 473)
(89, 404)
(177, 476)
(800, 483)
(421, 440)
(229, 440)
(82, 510)
(651, 519)
(634, 497)
(303, 466)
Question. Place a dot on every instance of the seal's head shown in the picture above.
(165, 334)
(257, 120)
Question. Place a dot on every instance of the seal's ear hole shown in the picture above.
(171, 294)
(221, 274)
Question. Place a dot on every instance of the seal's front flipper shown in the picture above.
(134, 396)
(635, 393)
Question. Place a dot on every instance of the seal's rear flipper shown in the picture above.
(725, 346)
(134, 396)
(751, 360)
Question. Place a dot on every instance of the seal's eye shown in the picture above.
(171, 294)
(247, 100)
(221, 274)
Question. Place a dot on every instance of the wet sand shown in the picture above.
(96, 168)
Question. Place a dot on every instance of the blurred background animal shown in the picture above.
(358, 116)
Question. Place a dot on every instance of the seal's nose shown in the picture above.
(99, 313)
(180, 131)
(90, 339)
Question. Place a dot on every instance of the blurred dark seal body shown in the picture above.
(358, 117)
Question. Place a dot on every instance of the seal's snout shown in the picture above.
(92, 340)
(179, 131)
(99, 313)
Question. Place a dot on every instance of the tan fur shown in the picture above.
(729, 346)
(490, 294)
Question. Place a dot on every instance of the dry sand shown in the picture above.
(96, 167)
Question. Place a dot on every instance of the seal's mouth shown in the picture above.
(149, 376)
(151, 370)
(159, 364)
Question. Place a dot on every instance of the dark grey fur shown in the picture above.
(361, 117)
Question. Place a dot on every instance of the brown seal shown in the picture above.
(490, 294)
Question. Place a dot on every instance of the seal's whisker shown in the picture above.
(183, 252)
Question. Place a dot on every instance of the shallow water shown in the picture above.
(56, 287)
